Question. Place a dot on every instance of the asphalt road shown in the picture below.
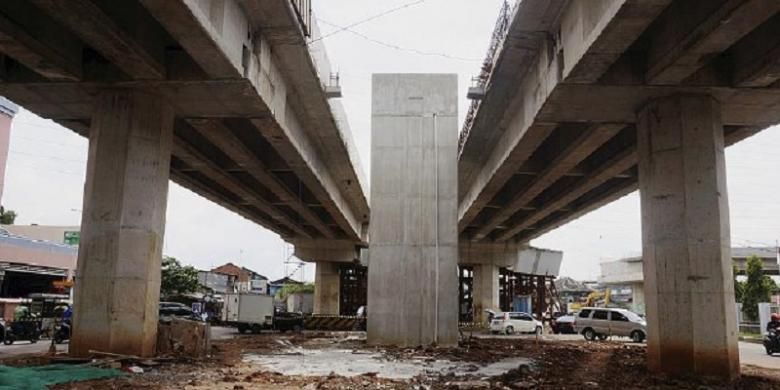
(749, 353)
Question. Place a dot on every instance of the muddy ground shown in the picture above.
(556, 365)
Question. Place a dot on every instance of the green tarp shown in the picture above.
(38, 377)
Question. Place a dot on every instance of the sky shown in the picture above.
(46, 165)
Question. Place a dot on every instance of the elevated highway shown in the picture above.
(229, 98)
(555, 135)
(583, 102)
(254, 130)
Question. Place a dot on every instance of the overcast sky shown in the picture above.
(46, 168)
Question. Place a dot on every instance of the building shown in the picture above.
(625, 277)
(68, 235)
(245, 280)
(276, 285)
(30, 266)
(8, 110)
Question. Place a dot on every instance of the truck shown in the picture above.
(248, 312)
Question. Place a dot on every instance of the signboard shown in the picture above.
(72, 238)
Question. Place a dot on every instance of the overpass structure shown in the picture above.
(229, 98)
(583, 102)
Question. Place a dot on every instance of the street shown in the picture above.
(749, 353)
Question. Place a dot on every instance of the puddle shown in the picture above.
(319, 362)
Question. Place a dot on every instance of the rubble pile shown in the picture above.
(553, 365)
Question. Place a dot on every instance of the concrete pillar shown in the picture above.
(638, 298)
(485, 291)
(118, 273)
(689, 291)
(413, 276)
(326, 288)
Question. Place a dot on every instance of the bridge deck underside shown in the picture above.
(232, 140)
(555, 136)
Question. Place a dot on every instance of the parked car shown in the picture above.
(284, 321)
(175, 309)
(511, 322)
(601, 322)
(563, 325)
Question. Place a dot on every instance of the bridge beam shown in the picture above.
(685, 238)
(118, 281)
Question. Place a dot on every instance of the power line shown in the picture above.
(377, 16)
(396, 47)
(48, 157)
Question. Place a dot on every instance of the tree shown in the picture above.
(757, 288)
(739, 287)
(7, 217)
(177, 279)
(294, 288)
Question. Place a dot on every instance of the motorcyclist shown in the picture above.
(774, 323)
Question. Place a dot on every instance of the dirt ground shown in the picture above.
(556, 365)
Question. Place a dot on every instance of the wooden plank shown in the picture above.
(615, 166)
(579, 149)
(194, 158)
(222, 137)
(690, 33)
(103, 34)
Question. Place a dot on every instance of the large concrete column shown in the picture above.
(326, 288)
(485, 291)
(118, 277)
(413, 277)
(689, 290)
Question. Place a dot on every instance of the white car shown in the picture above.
(512, 322)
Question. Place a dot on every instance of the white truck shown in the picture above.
(248, 312)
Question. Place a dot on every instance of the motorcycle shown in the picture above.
(22, 330)
(62, 332)
(772, 342)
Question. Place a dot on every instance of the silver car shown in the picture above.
(602, 322)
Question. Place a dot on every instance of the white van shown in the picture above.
(512, 322)
(602, 322)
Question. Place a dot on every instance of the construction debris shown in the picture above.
(181, 337)
(237, 364)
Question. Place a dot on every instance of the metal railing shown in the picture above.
(303, 11)
(496, 42)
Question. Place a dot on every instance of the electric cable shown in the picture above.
(377, 16)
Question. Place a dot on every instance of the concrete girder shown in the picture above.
(320, 250)
(609, 27)
(755, 107)
(38, 42)
(690, 33)
(617, 164)
(228, 43)
(212, 32)
(194, 158)
(221, 136)
(139, 57)
(756, 58)
(580, 148)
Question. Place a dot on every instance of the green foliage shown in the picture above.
(739, 287)
(290, 289)
(757, 288)
(7, 217)
(177, 279)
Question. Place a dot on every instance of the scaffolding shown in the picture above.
(545, 301)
